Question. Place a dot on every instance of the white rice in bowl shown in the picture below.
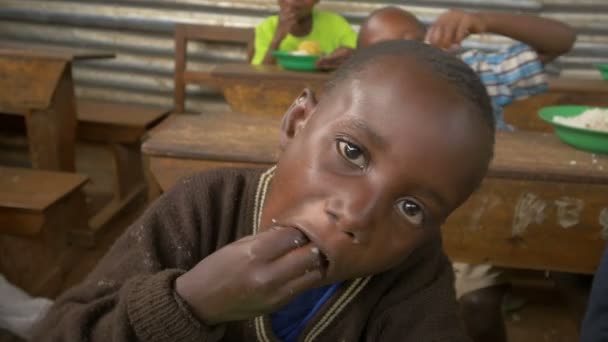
(594, 118)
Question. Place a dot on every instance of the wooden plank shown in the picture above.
(19, 49)
(560, 84)
(542, 156)
(533, 224)
(524, 114)
(245, 71)
(193, 32)
(52, 131)
(89, 235)
(22, 222)
(215, 136)
(28, 83)
(167, 171)
(216, 33)
(39, 264)
(116, 122)
(237, 138)
(35, 189)
(119, 113)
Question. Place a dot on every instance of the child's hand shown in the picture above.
(252, 276)
(335, 59)
(452, 27)
(287, 21)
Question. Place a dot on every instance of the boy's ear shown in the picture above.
(296, 117)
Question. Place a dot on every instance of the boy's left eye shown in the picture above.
(412, 211)
(352, 153)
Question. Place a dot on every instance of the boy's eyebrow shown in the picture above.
(359, 124)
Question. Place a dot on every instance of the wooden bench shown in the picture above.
(37, 209)
(121, 127)
(543, 205)
(185, 33)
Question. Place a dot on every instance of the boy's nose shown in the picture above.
(353, 212)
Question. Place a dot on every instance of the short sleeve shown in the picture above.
(509, 75)
(264, 33)
(347, 37)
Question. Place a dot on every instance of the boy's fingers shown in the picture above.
(451, 34)
(305, 282)
(295, 263)
(463, 31)
(277, 241)
(434, 35)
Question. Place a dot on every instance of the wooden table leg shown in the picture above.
(129, 185)
(52, 132)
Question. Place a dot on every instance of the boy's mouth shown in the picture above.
(317, 248)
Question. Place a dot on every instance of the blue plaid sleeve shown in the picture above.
(510, 74)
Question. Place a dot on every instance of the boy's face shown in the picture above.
(371, 171)
(301, 8)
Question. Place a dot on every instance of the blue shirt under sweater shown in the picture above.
(289, 322)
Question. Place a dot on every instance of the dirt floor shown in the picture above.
(544, 316)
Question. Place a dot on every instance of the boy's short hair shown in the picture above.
(445, 66)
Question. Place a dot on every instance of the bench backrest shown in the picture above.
(193, 32)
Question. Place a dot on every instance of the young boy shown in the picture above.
(509, 75)
(298, 22)
(340, 241)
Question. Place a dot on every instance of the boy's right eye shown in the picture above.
(352, 153)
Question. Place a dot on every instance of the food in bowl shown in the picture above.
(308, 48)
(594, 119)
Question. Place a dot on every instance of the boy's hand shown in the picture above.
(335, 59)
(452, 27)
(287, 21)
(252, 276)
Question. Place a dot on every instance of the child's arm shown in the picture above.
(153, 286)
(129, 295)
(550, 38)
(287, 20)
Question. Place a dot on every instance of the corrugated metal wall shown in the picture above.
(140, 32)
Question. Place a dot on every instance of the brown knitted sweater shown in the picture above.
(130, 297)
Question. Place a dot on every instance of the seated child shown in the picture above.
(509, 75)
(299, 22)
(340, 241)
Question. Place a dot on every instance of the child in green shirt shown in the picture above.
(298, 22)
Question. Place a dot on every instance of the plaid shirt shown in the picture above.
(509, 75)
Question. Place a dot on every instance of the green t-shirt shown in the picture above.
(329, 29)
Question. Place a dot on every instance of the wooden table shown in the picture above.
(270, 90)
(562, 91)
(544, 205)
(37, 83)
(264, 90)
